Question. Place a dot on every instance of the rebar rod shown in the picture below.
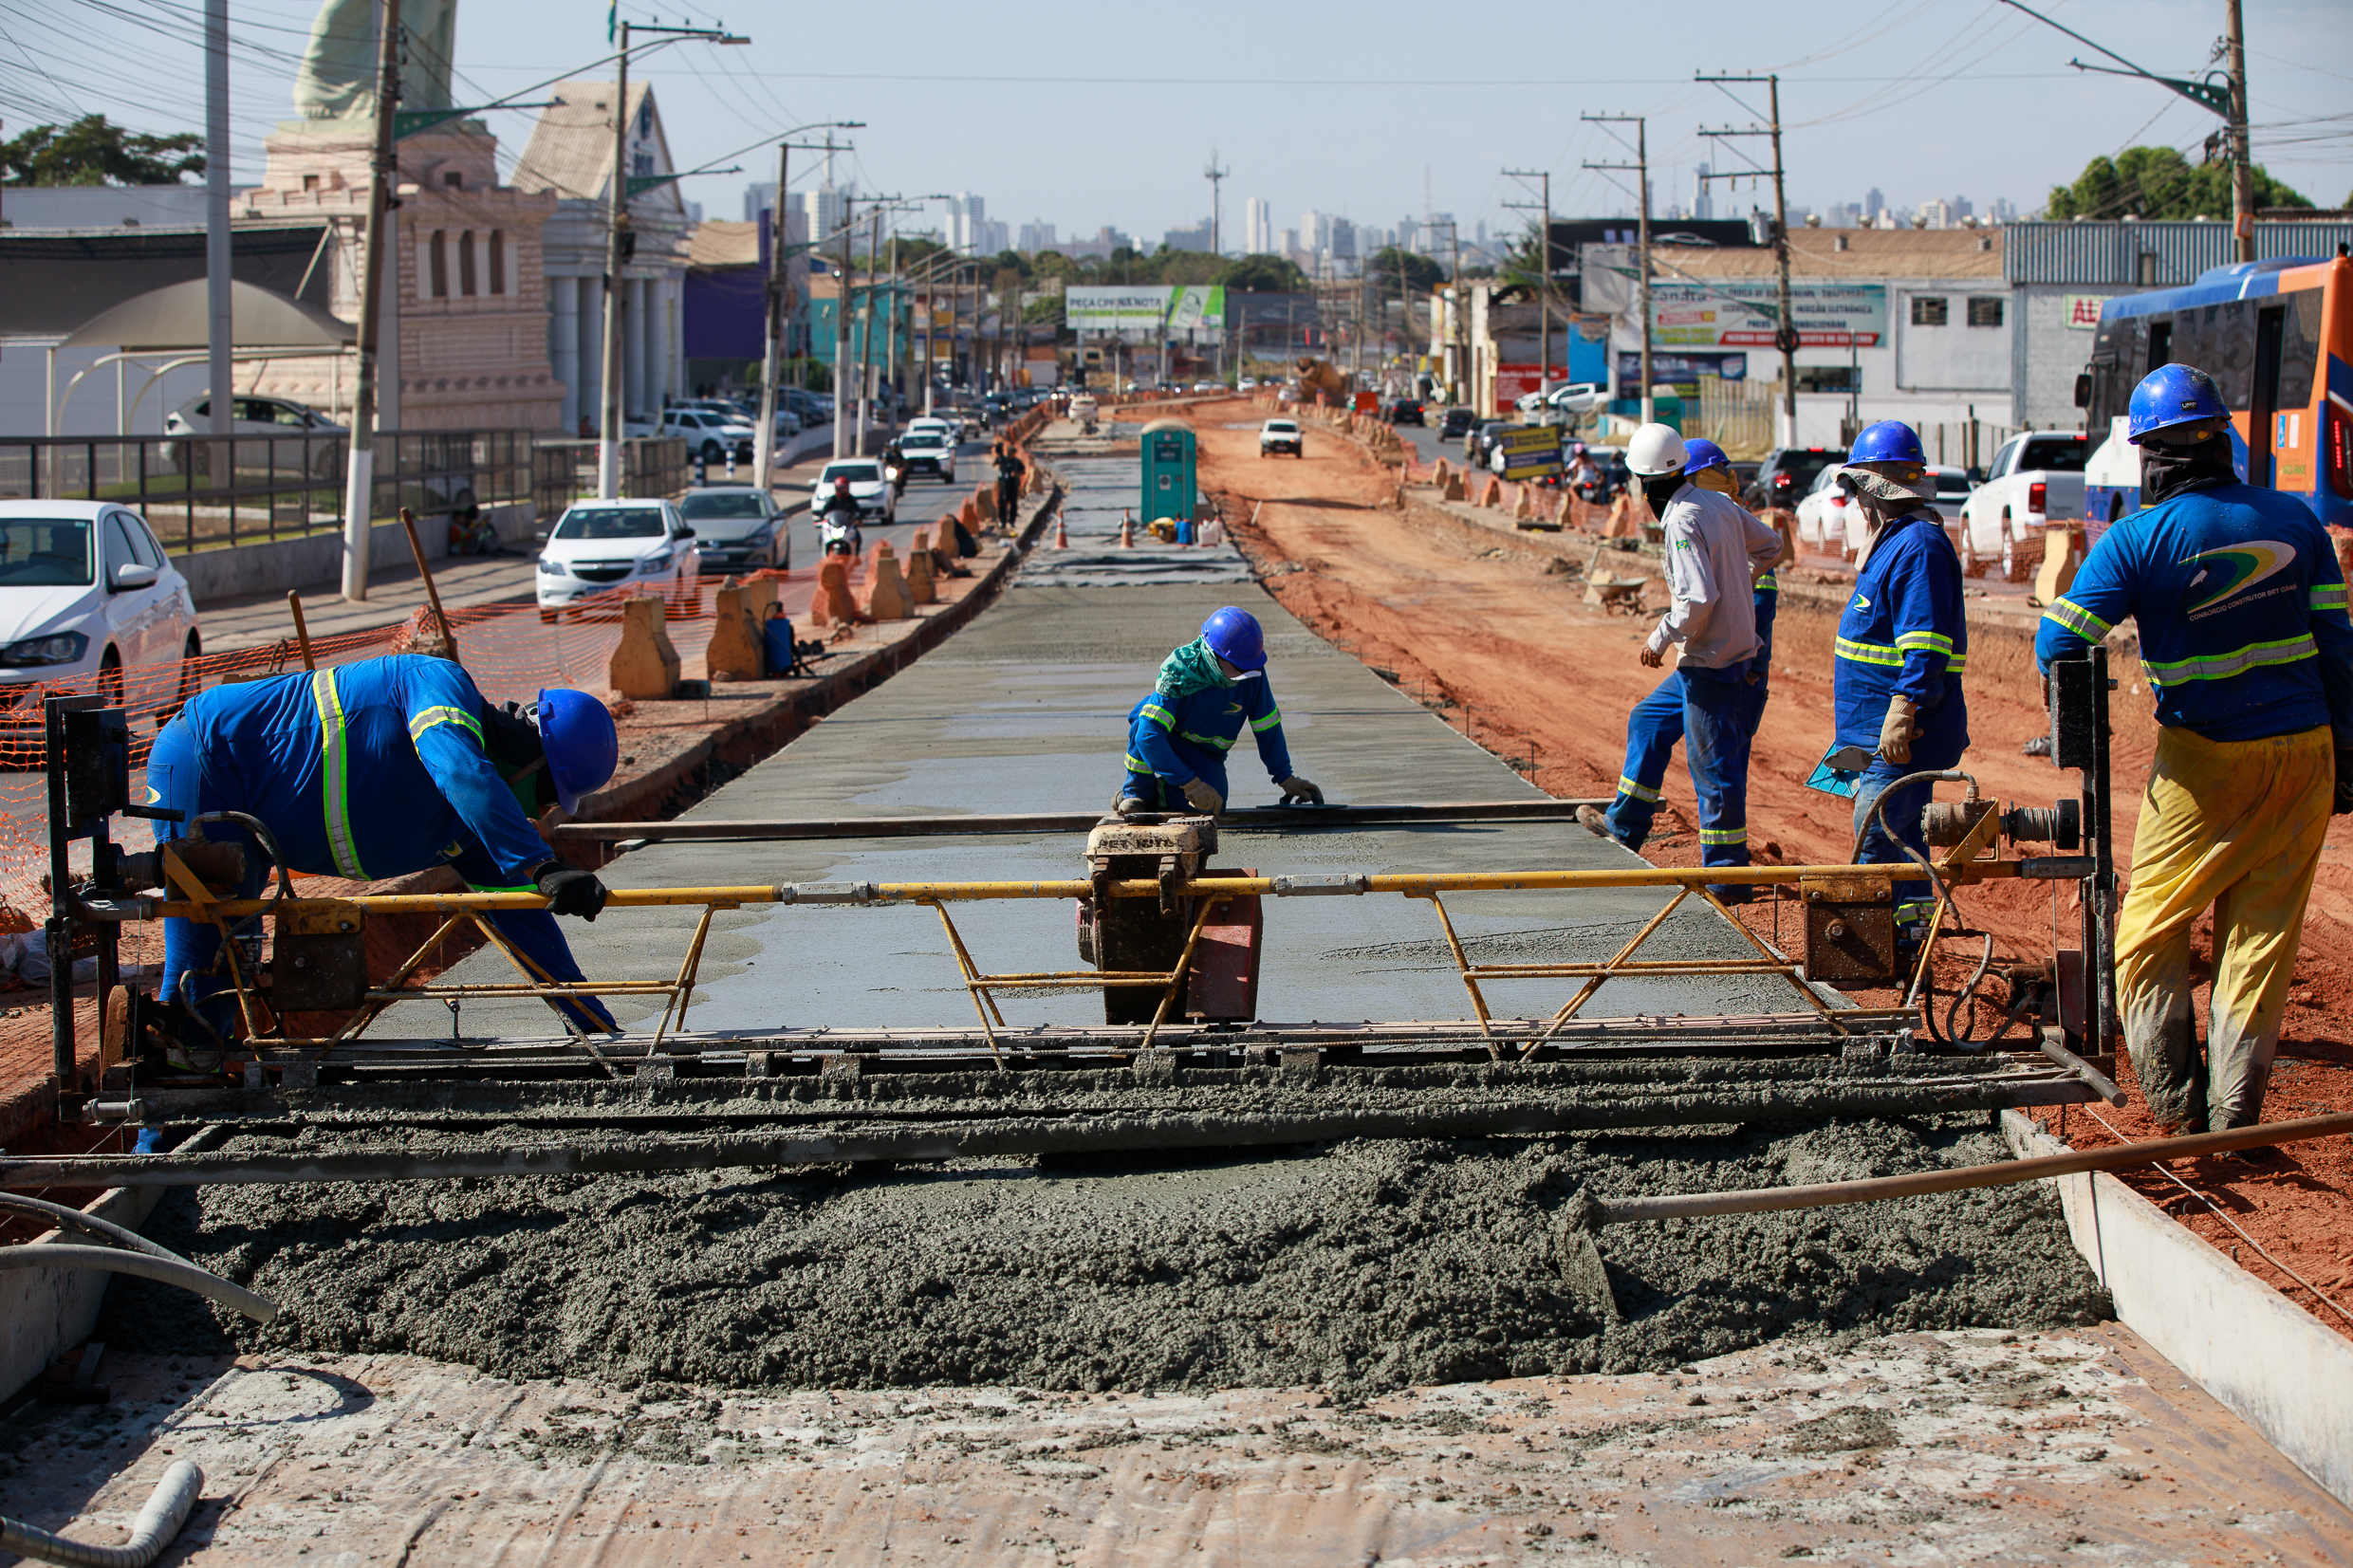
(1267, 819)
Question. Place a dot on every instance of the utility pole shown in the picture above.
(779, 310)
(220, 333)
(1216, 185)
(2242, 153)
(1544, 270)
(360, 469)
(1642, 172)
(866, 330)
(842, 334)
(1784, 336)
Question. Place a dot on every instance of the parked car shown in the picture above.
(928, 449)
(1403, 410)
(597, 546)
(712, 437)
(1822, 515)
(737, 528)
(867, 488)
(1247, 383)
(1281, 436)
(255, 416)
(85, 594)
(1455, 422)
(1484, 446)
(2034, 480)
(1579, 398)
(1788, 474)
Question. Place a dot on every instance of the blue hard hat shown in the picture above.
(1704, 454)
(2174, 395)
(583, 745)
(1233, 636)
(1888, 441)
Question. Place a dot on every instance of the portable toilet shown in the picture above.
(1170, 486)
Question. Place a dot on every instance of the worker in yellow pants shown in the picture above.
(2236, 825)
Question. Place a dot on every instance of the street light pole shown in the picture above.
(1641, 167)
(779, 312)
(1784, 336)
(360, 469)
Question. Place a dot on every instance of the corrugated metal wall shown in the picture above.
(2108, 254)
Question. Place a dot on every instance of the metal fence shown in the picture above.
(206, 494)
(563, 471)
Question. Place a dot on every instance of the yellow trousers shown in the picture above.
(2236, 825)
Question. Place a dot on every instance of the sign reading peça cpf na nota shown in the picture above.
(1530, 452)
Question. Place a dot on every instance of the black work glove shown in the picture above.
(2344, 804)
(571, 891)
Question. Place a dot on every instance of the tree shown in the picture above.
(1393, 268)
(2157, 182)
(1264, 274)
(94, 151)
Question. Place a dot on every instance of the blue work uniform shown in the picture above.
(1657, 723)
(1903, 633)
(367, 770)
(1172, 741)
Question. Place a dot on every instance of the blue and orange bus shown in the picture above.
(2277, 337)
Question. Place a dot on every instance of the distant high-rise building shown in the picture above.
(758, 197)
(967, 213)
(2000, 211)
(1194, 238)
(1936, 213)
(1873, 203)
(824, 211)
(1035, 237)
(1257, 227)
(1290, 241)
(1703, 204)
(1408, 235)
(1315, 232)
(1438, 233)
(1343, 240)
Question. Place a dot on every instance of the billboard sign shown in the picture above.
(1515, 381)
(1530, 452)
(1704, 313)
(1679, 371)
(1155, 310)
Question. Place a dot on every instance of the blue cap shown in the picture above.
(2173, 395)
(1704, 454)
(1233, 636)
(1888, 441)
(583, 745)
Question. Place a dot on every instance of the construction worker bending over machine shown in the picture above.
(1717, 549)
(1207, 690)
(1657, 725)
(2241, 610)
(1901, 647)
(379, 768)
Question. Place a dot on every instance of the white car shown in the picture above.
(711, 436)
(867, 488)
(598, 546)
(87, 594)
(277, 418)
(2034, 480)
(1822, 515)
(929, 451)
(737, 528)
(1281, 436)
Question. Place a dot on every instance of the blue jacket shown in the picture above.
(1184, 738)
(1904, 632)
(2240, 606)
(369, 770)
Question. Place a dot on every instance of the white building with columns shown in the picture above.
(570, 154)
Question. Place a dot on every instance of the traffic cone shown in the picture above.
(1127, 530)
(1062, 532)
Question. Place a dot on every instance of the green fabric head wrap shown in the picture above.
(1189, 669)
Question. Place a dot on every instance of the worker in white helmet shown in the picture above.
(1716, 549)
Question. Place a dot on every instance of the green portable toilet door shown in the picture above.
(1170, 486)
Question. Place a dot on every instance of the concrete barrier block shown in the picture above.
(735, 651)
(921, 589)
(1491, 495)
(644, 664)
(832, 604)
(886, 596)
(2063, 552)
(1450, 488)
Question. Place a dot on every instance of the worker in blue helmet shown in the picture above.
(2240, 606)
(1206, 694)
(1657, 724)
(1901, 647)
(379, 768)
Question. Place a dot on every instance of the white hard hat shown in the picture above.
(1656, 451)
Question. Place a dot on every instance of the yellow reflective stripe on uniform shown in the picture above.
(427, 718)
(1957, 663)
(1639, 791)
(1215, 743)
(1159, 715)
(1274, 716)
(1867, 652)
(1932, 642)
(1137, 764)
(1769, 583)
(2073, 617)
(1723, 835)
(2329, 596)
(335, 777)
(2256, 655)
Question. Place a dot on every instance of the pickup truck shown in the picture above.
(2036, 479)
(1281, 436)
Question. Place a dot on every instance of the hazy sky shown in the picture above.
(1087, 114)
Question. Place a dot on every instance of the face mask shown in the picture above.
(2168, 470)
(1660, 490)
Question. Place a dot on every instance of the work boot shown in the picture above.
(1595, 822)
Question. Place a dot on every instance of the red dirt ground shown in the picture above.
(1464, 616)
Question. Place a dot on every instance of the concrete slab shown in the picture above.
(1025, 711)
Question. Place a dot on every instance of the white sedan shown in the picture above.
(87, 600)
(1822, 515)
(598, 546)
(868, 488)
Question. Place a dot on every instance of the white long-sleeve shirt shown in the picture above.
(1716, 550)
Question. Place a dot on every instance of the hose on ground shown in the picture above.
(89, 1225)
(167, 1509)
(170, 1272)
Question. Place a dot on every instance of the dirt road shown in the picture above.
(1483, 626)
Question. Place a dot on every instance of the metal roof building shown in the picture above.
(2151, 255)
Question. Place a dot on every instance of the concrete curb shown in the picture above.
(2274, 1365)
